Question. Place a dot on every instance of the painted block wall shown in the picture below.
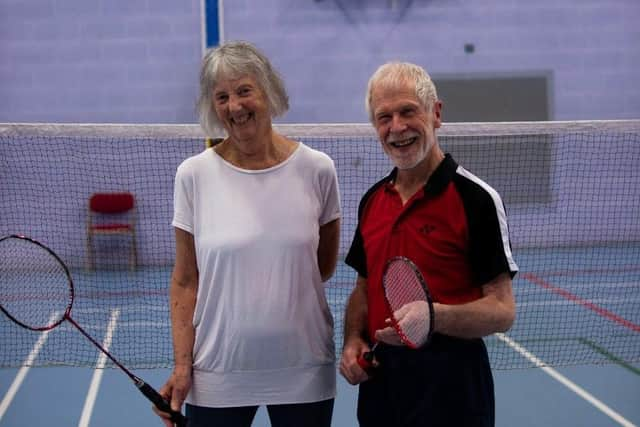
(99, 61)
(134, 61)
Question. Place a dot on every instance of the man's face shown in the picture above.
(405, 128)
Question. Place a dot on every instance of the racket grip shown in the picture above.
(366, 360)
(160, 403)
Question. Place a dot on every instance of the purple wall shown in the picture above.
(98, 61)
(136, 60)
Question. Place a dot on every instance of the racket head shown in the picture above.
(403, 283)
(36, 288)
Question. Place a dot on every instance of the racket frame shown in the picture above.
(427, 294)
(366, 359)
(67, 310)
(148, 391)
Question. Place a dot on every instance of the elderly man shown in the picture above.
(452, 225)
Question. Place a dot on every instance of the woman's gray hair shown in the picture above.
(394, 74)
(233, 60)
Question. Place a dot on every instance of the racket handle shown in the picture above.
(160, 403)
(365, 360)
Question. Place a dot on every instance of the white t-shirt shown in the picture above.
(264, 331)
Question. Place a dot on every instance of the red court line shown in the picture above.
(571, 297)
(622, 269)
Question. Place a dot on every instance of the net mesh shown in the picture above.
(571, 190)
(34, 288)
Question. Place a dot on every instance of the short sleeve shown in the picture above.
(183, 199)
(330, 193)
(356, 257)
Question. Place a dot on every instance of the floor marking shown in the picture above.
(22, 372)
(566, 382)
(90, 401)
(585, 303)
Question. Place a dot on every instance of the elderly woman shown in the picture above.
(256, 222)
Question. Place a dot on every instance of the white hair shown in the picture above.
(232, 60)
(394, 74)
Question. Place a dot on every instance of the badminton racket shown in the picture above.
(403, 284)
(37, 293)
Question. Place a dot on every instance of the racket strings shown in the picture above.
(34, 287)
(402, 286)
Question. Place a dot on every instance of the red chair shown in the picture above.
(111, 214)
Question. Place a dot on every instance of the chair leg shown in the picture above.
(90, 258)
(134, 252)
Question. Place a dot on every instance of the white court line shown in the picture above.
(87, 410)
(123, 307)
(22, 372)
(566, 382)
(127, 324)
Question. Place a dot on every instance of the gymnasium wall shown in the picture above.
(131, 61)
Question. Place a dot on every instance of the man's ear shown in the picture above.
(437, 114)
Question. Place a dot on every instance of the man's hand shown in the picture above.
(414, 320)
(349, 367)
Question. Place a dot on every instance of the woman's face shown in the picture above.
(242, 107)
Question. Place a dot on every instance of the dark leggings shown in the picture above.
(314, 414)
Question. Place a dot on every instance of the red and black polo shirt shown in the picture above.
(454, 229)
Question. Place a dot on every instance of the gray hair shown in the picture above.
(233, 60)
(393, 74)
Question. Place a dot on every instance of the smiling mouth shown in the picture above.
(403, 142)
(241, 120)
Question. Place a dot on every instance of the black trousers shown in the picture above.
(446, 383)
